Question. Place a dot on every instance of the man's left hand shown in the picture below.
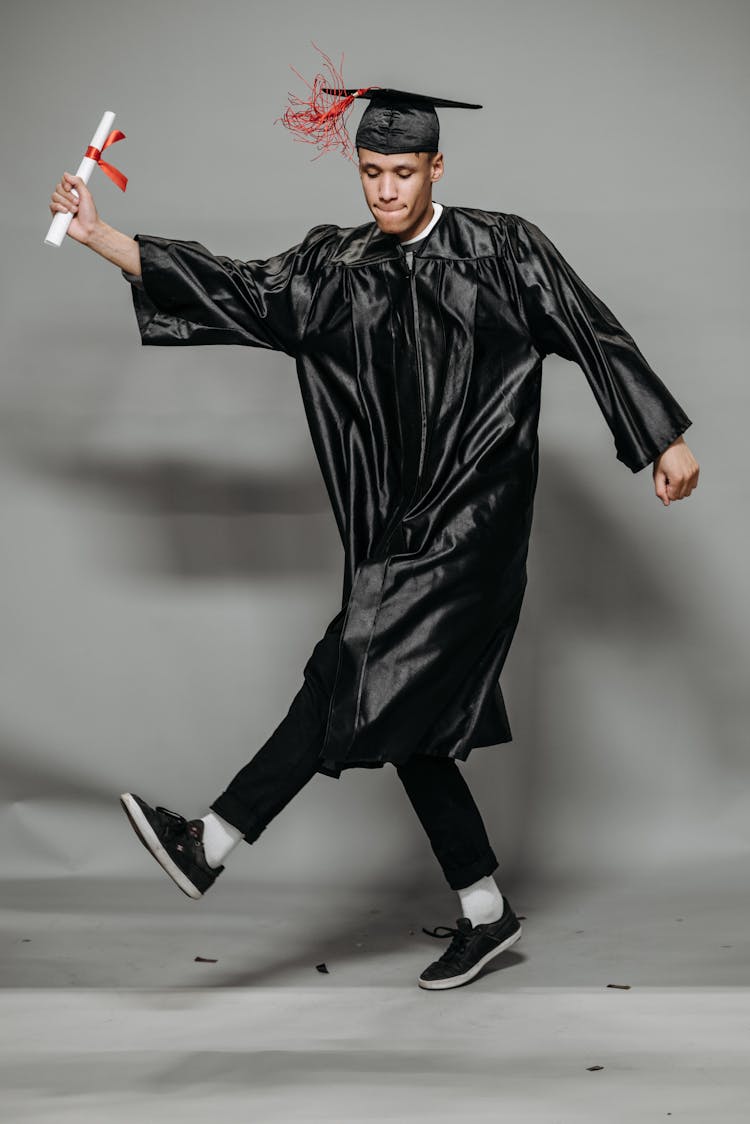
(675, 472)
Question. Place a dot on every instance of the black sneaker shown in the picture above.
(175, 843)
(471, 948)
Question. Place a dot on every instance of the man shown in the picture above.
(418, 342)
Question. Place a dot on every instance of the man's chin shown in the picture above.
(394, 223)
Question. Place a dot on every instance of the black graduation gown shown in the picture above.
(421, 380)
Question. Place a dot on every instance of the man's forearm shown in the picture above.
(115, 247)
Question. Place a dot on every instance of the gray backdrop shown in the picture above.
(168, 556)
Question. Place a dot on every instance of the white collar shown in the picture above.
(438, 210)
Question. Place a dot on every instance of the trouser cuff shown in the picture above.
(232, 810)
(459, 878)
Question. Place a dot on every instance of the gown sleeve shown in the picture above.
(565, 317)
(187, 295)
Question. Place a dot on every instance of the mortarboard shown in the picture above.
(394, 121)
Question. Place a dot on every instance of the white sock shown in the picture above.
(219, 838)
(482, 902)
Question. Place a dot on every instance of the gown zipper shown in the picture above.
(420, 370)
(404, 506)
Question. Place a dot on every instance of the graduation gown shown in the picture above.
(420, 375)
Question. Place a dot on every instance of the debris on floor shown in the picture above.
(621, 987)
(322, 968)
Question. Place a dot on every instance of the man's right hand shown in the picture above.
(86, 226)
(82, 208)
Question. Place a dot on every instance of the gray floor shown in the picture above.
(106, 1016)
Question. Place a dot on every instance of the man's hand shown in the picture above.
(675, 472)
(84, 211)
(86, 226)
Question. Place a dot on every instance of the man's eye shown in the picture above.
(404, 175)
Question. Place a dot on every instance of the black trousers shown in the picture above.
(289, 759)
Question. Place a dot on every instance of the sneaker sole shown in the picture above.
(465, 977)
(150, 841)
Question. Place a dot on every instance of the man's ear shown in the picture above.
(438, 167)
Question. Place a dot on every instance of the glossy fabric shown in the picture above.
(422, 393)
(397, 120)
(389, 126)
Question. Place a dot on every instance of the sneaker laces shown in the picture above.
(461, 936)
(174, 823)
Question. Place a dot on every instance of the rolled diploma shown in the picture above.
(62, 220)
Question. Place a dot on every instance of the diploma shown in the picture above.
(101, 138)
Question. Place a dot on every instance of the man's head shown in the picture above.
(398, 188)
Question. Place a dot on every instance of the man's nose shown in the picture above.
(388, 188)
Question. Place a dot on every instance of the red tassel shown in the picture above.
(320, 118)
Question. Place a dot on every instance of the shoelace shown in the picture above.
(176, 823)
(457, 947)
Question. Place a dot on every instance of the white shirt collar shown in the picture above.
(438, 210)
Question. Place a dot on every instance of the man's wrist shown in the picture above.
(677, 441)
(115, 246)
(98, 236)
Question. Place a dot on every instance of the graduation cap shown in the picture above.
(394, 121)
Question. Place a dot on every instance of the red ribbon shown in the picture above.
(109, 170)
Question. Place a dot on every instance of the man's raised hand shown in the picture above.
(86, 226)
(82, 208)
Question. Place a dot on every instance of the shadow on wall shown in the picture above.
(203, 522)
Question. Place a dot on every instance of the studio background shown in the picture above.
(168, 556)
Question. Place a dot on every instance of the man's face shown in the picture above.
(398, 189)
